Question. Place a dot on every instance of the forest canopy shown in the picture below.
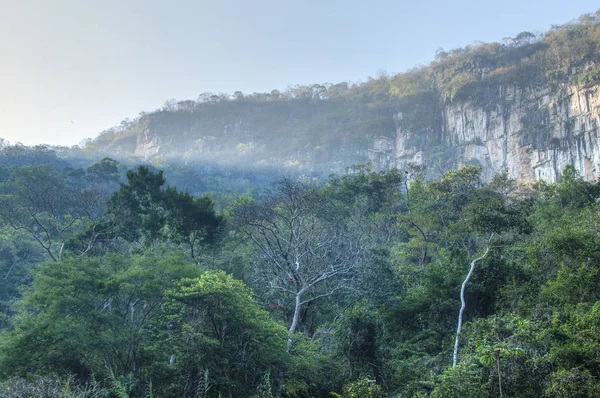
(126, 280)
(305, 289)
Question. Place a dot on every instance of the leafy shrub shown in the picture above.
(361, 388)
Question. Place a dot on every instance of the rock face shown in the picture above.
(532, 133)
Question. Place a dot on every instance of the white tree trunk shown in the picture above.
(297, 308)
(294, 325)
(462, 299)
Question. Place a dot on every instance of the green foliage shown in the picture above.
(104, 171)
(191, 220)
(577, 335)
(51, 387)
(357, 333)
(573, 383)
(362, 388)
(89, 315)
(39, 200)
(264, 389)
(145, 212)
(461, 381)
(136, 207)
(310, 369)
(154, 324)
(18, 254)
(218, 327)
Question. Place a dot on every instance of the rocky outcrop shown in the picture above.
(532, 133)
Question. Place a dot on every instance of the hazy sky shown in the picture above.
(72, 68)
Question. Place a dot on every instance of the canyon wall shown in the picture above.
(531, 133)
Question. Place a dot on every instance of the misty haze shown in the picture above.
(322, 199)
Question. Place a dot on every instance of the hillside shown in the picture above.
(528, 105)
(223, 266)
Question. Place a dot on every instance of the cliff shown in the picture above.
(533, 133)
(530, 105)
(309, 135)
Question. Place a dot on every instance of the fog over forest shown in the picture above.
(430, 233)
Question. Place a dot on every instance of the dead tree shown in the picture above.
(305, 250)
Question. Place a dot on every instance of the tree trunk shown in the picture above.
(297, 309)
(462, 299)
(499, 375)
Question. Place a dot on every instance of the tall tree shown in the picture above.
(191, 220)
(145, 212)
(137, 207)
(219, 333)
(91, 315)
(304, 249)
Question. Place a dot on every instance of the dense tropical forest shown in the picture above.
(115, 284)
(128, 279)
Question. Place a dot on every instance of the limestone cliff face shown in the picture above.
(532, 133)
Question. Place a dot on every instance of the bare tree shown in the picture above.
(305, 250)
(40, 202)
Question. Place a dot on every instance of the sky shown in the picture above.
(70, 69)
